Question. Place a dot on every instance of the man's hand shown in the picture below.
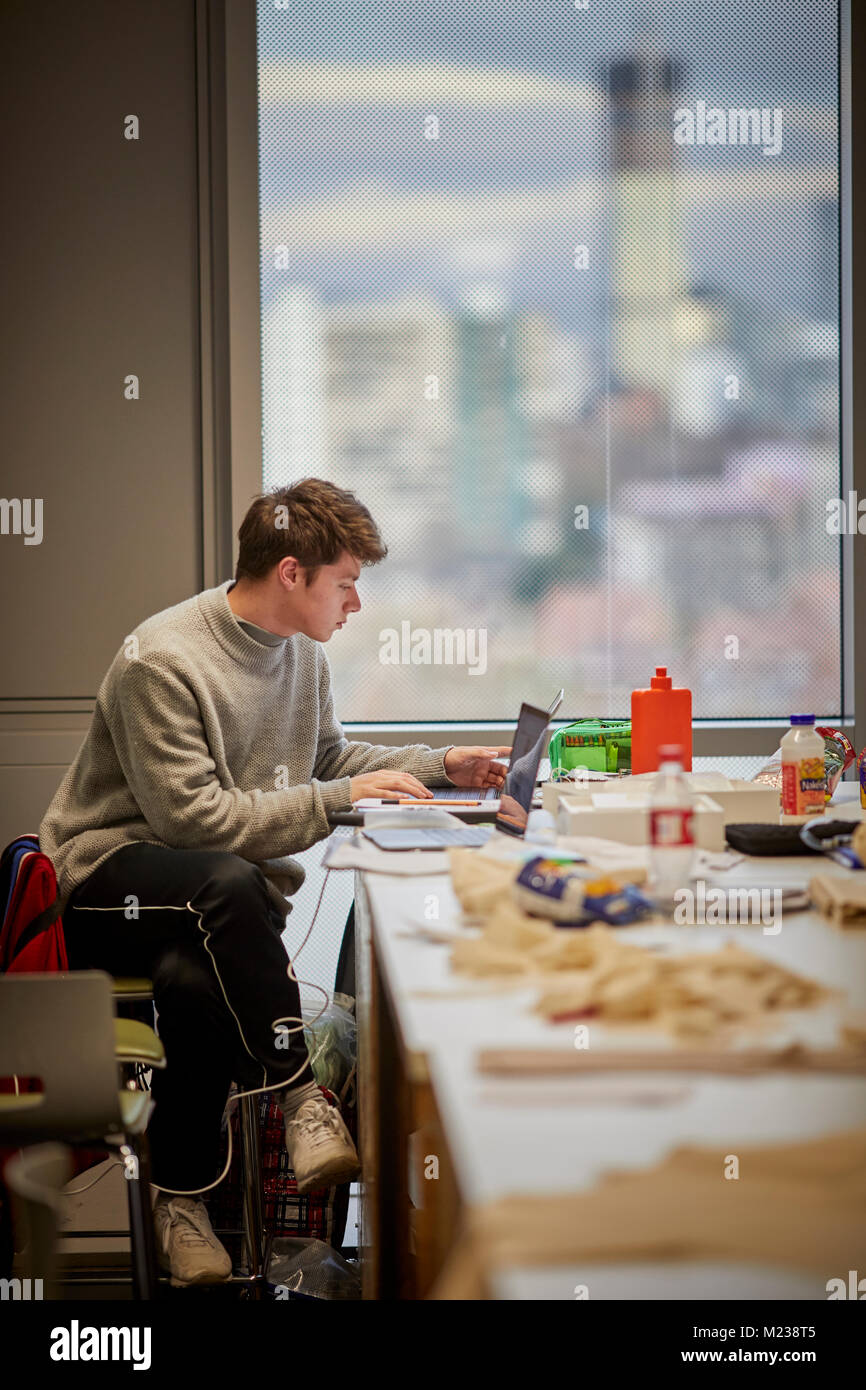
(473, 767)
(387, 784)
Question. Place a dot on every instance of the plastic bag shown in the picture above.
(838, 757)
(331, 1041)
(843, 841)
(301, 1268)
(332, 1047)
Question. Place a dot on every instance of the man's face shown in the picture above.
(321, 608)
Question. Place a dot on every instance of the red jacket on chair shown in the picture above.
(31, 931)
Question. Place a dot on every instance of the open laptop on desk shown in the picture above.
(513, 803)
(485, 794)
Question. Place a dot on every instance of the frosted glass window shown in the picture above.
(554, 290)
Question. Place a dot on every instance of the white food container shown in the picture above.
(625, 817)
(741, 802)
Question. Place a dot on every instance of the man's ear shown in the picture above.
(289, 572)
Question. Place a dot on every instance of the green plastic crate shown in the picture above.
(600, 745)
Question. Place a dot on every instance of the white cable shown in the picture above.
(288, 1018)
(74, 1191)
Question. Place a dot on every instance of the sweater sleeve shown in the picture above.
(159, 737)
(337, 757)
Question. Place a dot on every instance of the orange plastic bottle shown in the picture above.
(660, 715)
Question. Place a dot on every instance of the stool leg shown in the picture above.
(252, 1194)
(145, 1273)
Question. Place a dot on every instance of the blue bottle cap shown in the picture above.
(802, 719)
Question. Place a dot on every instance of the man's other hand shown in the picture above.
(474, 767)
(387, 784)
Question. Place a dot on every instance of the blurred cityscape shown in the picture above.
(540, 303)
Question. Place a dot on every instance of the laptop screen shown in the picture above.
(527, 751)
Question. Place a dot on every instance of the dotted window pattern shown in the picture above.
(553, 288)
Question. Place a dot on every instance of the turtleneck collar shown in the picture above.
(227, 630)
(261, 634)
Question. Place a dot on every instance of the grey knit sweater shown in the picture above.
(204, 738)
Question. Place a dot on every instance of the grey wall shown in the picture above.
(99, 277)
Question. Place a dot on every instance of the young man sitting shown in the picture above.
(214, 754)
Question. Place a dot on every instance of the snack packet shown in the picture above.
(838, 756)
(570, 898)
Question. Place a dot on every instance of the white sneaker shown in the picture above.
(187, 1245)
(320, 1147)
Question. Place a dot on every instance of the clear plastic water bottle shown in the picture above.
(671, 829)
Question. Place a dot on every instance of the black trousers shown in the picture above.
(203, 927)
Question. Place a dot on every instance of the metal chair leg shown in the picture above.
(136, 1171)
(252, 1192)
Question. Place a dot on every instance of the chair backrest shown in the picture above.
(61, 1029)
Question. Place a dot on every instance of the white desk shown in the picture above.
(505, 1135)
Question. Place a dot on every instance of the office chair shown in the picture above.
(61, 1029)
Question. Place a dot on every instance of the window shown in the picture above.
(555, 291)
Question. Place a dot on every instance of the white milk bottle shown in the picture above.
(803, 773)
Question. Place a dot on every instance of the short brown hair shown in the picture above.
(313, 520)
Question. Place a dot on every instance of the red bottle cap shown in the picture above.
(661, 680)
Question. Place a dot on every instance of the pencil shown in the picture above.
(431, 801)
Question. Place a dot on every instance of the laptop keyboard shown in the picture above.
(470, 835)
(482, 793)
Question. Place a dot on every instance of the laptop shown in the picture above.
(513, 802)
(485, 794)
